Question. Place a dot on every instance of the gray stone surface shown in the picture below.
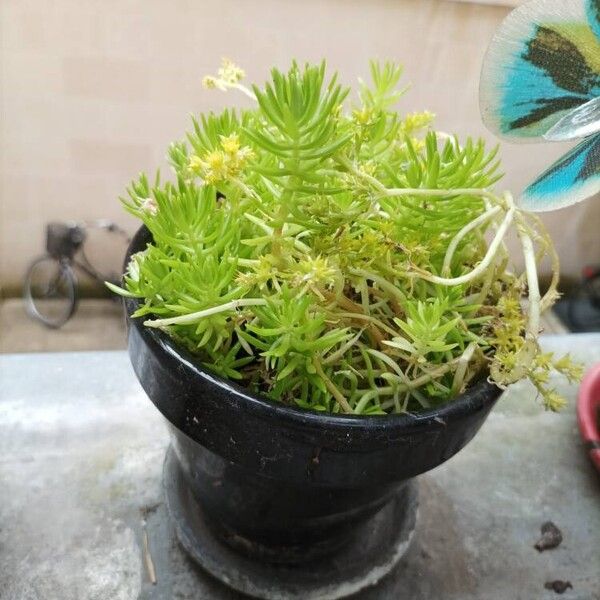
(81, 452)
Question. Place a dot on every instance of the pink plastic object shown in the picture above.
(588, 413)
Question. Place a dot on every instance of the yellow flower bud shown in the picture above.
(230, 72)
(209, 82)
(230, 144)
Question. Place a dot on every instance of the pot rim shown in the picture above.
(477, 396)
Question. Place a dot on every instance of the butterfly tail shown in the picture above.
(571, 179)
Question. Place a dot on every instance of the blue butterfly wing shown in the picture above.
(543, 63)
(571, 179)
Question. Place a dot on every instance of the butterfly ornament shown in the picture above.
(541, 80)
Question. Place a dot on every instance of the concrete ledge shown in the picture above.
(97, 325)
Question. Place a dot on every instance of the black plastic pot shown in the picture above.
(283, 484)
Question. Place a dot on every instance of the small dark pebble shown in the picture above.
(551, 537)
(558, 586)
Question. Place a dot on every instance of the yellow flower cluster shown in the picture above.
(222, 164)
(262, 272)
(516, 357)
(310, 273)
(229, 74)
(511, 360)
(314, 271)
(362, 116)
(415, 122)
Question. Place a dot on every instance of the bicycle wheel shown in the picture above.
(50, 291)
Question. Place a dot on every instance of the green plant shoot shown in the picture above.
(335, 255)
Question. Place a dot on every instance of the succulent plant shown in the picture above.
(338, 256)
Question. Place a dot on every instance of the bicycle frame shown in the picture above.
(65, 251)
(64, 241)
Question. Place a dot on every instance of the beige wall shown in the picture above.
(92, 92)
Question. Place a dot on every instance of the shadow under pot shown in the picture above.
(279, 502)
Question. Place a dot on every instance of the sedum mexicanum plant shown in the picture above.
(340, 256)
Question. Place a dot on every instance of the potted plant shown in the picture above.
(320, 305)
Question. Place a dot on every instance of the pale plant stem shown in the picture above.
(198, 316)
(244, 188)
(271, 232)
(364, 297)
(243, 343)
(388, 360)
(301, 246)
(259, 223)
(485, 194)
(488, 214)
(244, 262)
(461, 369)
(418, 381)
(242, 88)
(488, 206)
(364, 400)
(391, 192)
(483, 265)
(487, 284)
(362, 317)
(552, 293)
(383, 283)
(480, 297)
(406, 387)
(350, 166)
(332, 358)
(341, 399)
(429, 375)
(534, 309)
